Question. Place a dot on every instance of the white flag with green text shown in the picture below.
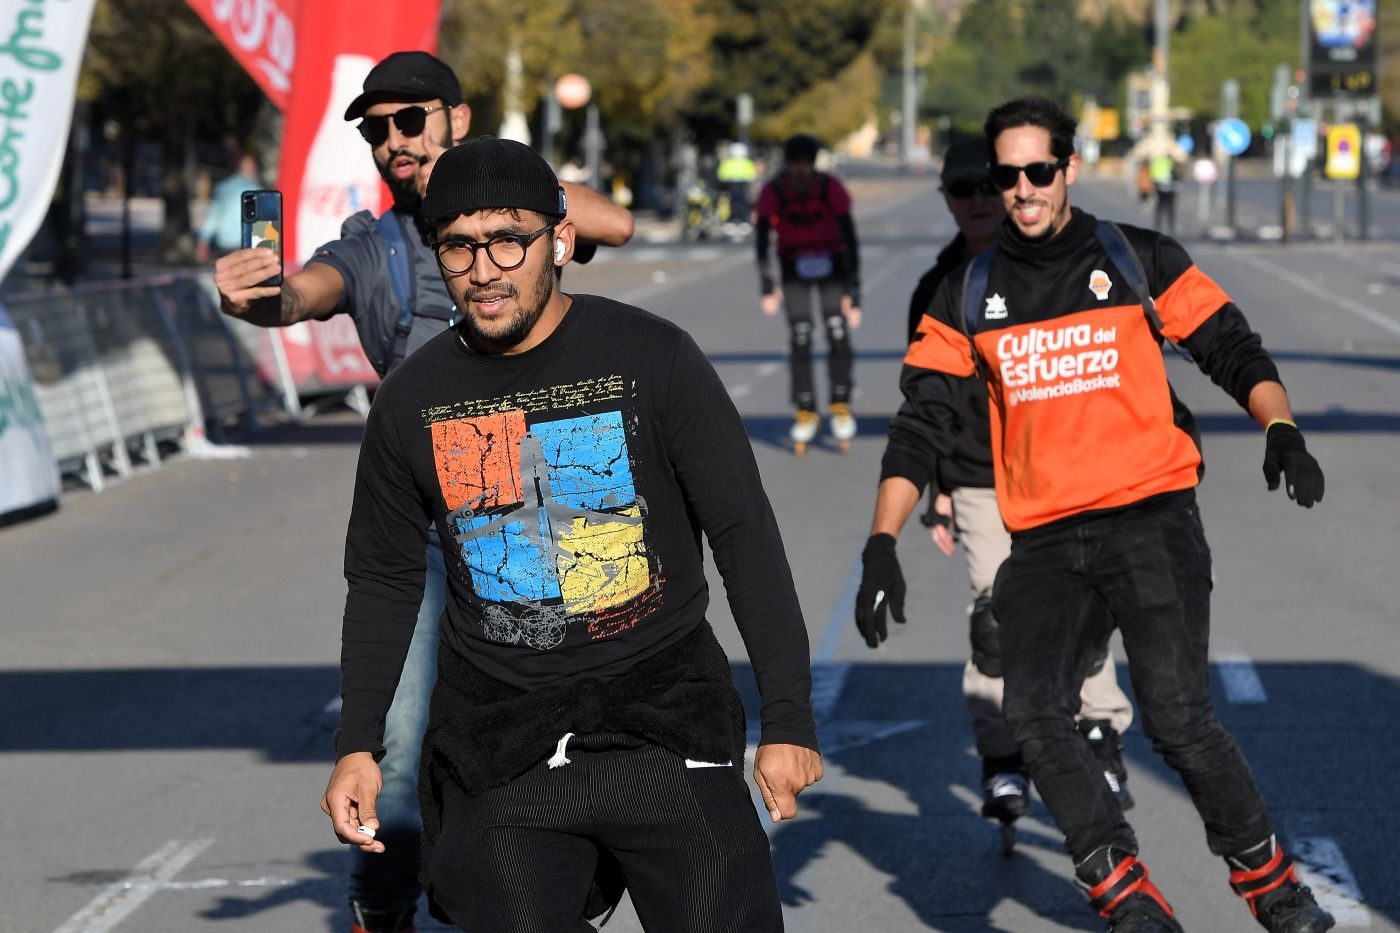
(41, 47)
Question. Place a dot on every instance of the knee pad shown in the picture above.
(986, 636)
(802, 334)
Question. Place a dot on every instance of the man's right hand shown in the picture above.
(350, 797)
(237, 275)
(772, 302)
(881, 589)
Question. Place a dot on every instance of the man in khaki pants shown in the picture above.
(966, 509)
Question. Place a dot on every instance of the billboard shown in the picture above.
(1342, 48)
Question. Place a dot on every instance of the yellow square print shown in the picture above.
(604, 564)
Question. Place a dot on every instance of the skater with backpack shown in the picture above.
(964, 509)
(1096, 464)
(818, 262)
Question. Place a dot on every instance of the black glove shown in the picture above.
(1286, 454)
(932, 516)
(881, 587)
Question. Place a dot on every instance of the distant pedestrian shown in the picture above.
(818, 262)
(1166, 175)
(222, 230)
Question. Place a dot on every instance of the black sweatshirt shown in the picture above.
(1082, 417)
(969, 460)
(570, 485)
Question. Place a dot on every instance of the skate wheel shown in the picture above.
(845, 445)
(1008, 839)
(799, 448)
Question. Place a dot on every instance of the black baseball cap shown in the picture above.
(487, 173)
(412, 75)
(966, 158)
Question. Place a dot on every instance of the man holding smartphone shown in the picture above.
(383, 274)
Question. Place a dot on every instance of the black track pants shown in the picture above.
(1057, 597)
(520, 858)
(797, 299)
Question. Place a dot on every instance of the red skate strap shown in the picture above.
(1252, 883)
(1128, 876)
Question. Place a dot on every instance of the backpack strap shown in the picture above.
(403, 284)
(974, 295)
(1115, 242)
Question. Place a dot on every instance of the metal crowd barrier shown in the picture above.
(121, 367)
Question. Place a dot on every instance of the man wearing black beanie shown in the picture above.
(381, 273)
(584, 732)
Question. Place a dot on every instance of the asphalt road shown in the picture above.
(171, 643)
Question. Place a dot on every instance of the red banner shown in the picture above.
(261, 34)
(311, 58)
(327, 172)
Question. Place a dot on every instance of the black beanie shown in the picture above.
(488, 173)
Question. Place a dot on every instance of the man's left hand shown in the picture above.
(850, 311)
(1285, 454)
(781, 773)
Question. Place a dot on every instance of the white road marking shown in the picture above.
(846, 734)
(1240, 679)
(1364, 312)
(118, 900)
(740, 390)
(211, 884)
(828, 680)
(1322, 867)
(767, 369)
(648, 254)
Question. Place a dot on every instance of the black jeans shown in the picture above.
(840, 357)
(1057, 597)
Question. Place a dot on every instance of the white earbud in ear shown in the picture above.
(559, 252)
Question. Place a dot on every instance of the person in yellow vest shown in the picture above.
(736, 174)
(1164, 172)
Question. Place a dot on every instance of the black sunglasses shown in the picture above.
(409, 120)
(457, 254)
(1039, 174)
(963, 188)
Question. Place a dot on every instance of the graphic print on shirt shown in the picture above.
(549, 524)
(1071, 355)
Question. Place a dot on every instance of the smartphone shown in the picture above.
(262, 225)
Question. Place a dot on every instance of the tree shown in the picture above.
(1245, 40)
(645, 59)
(1001, 49)
(799, 61)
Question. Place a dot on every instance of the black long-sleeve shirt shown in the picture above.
(571, 485)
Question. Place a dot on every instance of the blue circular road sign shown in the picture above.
(1232, 136)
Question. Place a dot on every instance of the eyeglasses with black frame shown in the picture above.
(1039, 174)
(965, 188)
(409, 120)
(457, 254)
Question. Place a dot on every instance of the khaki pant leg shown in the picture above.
(986, 544)
(1102, 698)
